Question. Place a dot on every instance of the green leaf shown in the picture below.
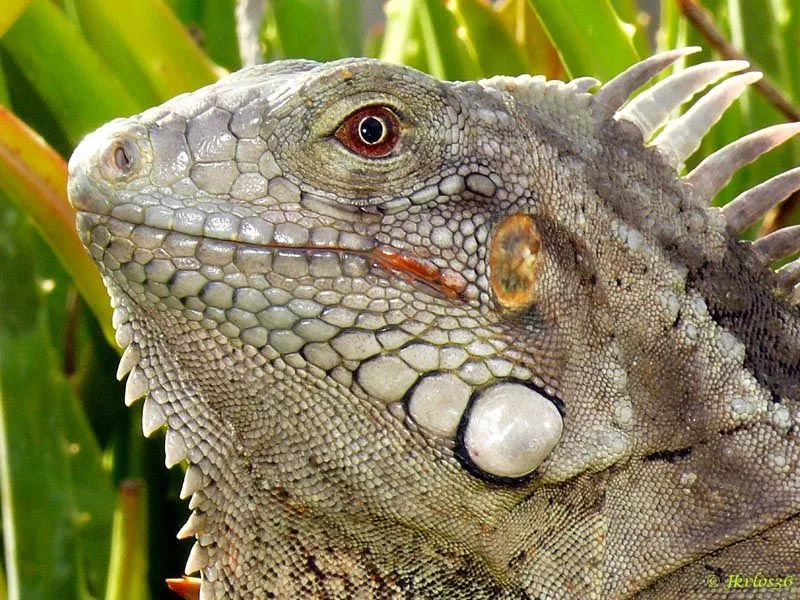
(35, 177)
(212, 24)
(630, 13)
(760, 35)
(318, 30)
(218, 32)
(56, 494)
(4, 99)
(423, 34)
(147, 46)
(788, 14)
(591, 38)
(673, 29)
(541, 56)
(10, 11)
(127, 579)
(79, 88)
(487, 38)
(28, 105)
(402, 43)
(349, 24)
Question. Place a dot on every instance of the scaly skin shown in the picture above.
(282, 297)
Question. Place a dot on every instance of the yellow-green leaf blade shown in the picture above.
(127, 571)
(147, 45)
(35, 177)
(318, 30)
(9, 13)
(57, 498)
(522, 23)
(491, 43)
(424, 34)
(590, 37)
(78, 87)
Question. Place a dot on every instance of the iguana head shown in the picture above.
(438, 338)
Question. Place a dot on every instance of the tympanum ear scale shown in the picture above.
(509, 430)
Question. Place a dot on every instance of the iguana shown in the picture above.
(425, 339)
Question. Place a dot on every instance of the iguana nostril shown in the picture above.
(120, 158)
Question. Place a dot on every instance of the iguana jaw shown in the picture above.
(177, 398)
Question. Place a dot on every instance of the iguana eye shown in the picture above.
(371, 132)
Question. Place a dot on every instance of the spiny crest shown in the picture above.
(175, 449)
(678, 139)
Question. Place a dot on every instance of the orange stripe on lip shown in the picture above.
(449, 283)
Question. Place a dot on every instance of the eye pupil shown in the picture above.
(371, 130)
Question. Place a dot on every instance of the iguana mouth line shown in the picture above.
(394, 261)
(448, 282)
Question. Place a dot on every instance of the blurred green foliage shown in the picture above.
(88, 510)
